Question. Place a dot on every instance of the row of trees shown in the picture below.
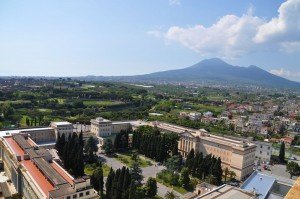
(203, 167)
(126, 184)
(150, 142)
(70, 151)
(121, 141)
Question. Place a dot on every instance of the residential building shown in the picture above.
(263, 151)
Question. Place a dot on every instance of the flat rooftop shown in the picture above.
(227, 192)
(260, 183)
(64, 123)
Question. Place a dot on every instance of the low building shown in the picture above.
(263, 151)
(106, 129)
(62, 128)
(227, 192)
(266, 186)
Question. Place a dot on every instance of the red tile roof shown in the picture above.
(14, 146)
(38, 177)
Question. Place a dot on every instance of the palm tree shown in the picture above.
(210, 179)
(170, 195)
(232, 175)
(226, 173)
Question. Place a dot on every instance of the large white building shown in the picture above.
(62, 128)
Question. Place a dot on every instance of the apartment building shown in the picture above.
(35, 174)
(263, 151)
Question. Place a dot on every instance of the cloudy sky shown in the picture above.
(117, 37)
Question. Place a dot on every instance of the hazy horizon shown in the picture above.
(117, 38)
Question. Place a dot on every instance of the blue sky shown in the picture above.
(117, 37)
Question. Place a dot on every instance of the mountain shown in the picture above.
(214, 71)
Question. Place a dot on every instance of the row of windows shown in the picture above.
(80, 195)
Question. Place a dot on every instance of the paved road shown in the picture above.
(150, 171)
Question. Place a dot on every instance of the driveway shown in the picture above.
(147, 172)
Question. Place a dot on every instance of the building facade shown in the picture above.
(237, 155)
(62, 128)
(263, 151)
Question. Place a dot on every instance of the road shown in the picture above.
(147, 172)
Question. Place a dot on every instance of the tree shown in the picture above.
(132, 190)
(184, 178)
(97, 180)
(109, 183)
(108, 147)
(90, 148)
(79, 164)
(151, 187)
(232, 175)
(170, 195)
(136, 173)
(81, 142)
(210, 179)
(293, 168)
(190, 160)
(27, 121)
(217, 171)
(226, 173)
(174, 163)
(282, 153)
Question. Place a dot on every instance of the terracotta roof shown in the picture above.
(14, 146)
(37, 175)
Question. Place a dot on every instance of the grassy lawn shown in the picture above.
(101, 103)
(16, 102)
(176, 188)
(89, 169)
(204, 108)
(125, 158)
(23, 121)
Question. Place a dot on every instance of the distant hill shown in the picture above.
(213, 70)
(216, 70)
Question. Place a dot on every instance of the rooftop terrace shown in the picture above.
(259, 183)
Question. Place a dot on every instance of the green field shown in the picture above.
(176, 188)
(126, 159)
(16, 102)
(89, 169)
(101, 103)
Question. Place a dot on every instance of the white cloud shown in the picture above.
(232, 36)
(155, 33)
(174, 2)
(286, 73)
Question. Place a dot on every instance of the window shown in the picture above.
(68, 197)
(87, 193)
(268, 148)
(75, 196)
(260, 152)
(261, 146)
(80, 194)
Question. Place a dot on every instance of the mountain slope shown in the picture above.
(217, 71)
